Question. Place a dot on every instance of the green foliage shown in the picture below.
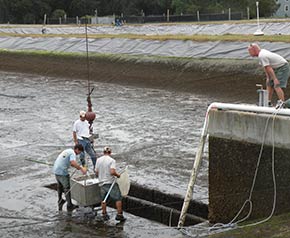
(184, 7)
(32, 11)
(58, 13)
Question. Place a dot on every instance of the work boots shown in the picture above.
(60, 204)
(120, 217)
(70, 207)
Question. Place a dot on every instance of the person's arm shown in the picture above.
(75, 138)
(271, 74)
(114, 173)
(73, 163)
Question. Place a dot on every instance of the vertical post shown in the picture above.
(258, 17)
(167, 15)
(248, 13)
(43, 30)
(194, 172)
(197, 14)
(143, 16)
(44, 19)
(96, 15)
(258, 32)
(59, 19)
(229, 14)
(77, 20)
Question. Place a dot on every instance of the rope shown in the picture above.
(233, 224)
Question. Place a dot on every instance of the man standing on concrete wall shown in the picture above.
(276, 69)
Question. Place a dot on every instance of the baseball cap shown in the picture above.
(82, 113)
(107, 149)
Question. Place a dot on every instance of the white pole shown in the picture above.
(197, 13)
(258, 17)
(229, 14)
(194, 172)
(258, 31)
(167, 15)
(44, 19)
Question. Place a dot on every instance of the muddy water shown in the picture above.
(154, 132)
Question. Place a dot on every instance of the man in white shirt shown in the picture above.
(81, 135)
(106, 172)
(276, 69)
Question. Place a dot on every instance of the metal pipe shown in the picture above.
(250, 108)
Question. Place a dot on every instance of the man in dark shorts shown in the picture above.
(106, 172)
(276, 69)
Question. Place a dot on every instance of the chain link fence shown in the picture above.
(140, 19)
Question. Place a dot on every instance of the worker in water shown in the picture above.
(66, 159)
(81, 135)
(106, 172)
(276, 69)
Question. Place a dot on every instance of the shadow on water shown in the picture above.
(83, 222)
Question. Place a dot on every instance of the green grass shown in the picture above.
(198, 38)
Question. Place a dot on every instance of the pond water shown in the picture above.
(155, 132)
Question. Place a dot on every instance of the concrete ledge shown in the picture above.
(234, 147)
(250, 127)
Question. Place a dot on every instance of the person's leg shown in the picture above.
(66, 186)
(60, 190)
(119, 207)
(270, 90)
(82, 154)
(104, 208)
(90, 150)
(119, 216)
(282, 75)
(280, 93)
(117, 197)
(104, 190)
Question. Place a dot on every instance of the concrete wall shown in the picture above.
(235, 140)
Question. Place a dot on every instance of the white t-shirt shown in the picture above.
(82, 129)
(103, 166)
(269, 58)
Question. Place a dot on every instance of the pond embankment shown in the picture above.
(231, 79)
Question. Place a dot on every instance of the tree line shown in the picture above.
(32, 11)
